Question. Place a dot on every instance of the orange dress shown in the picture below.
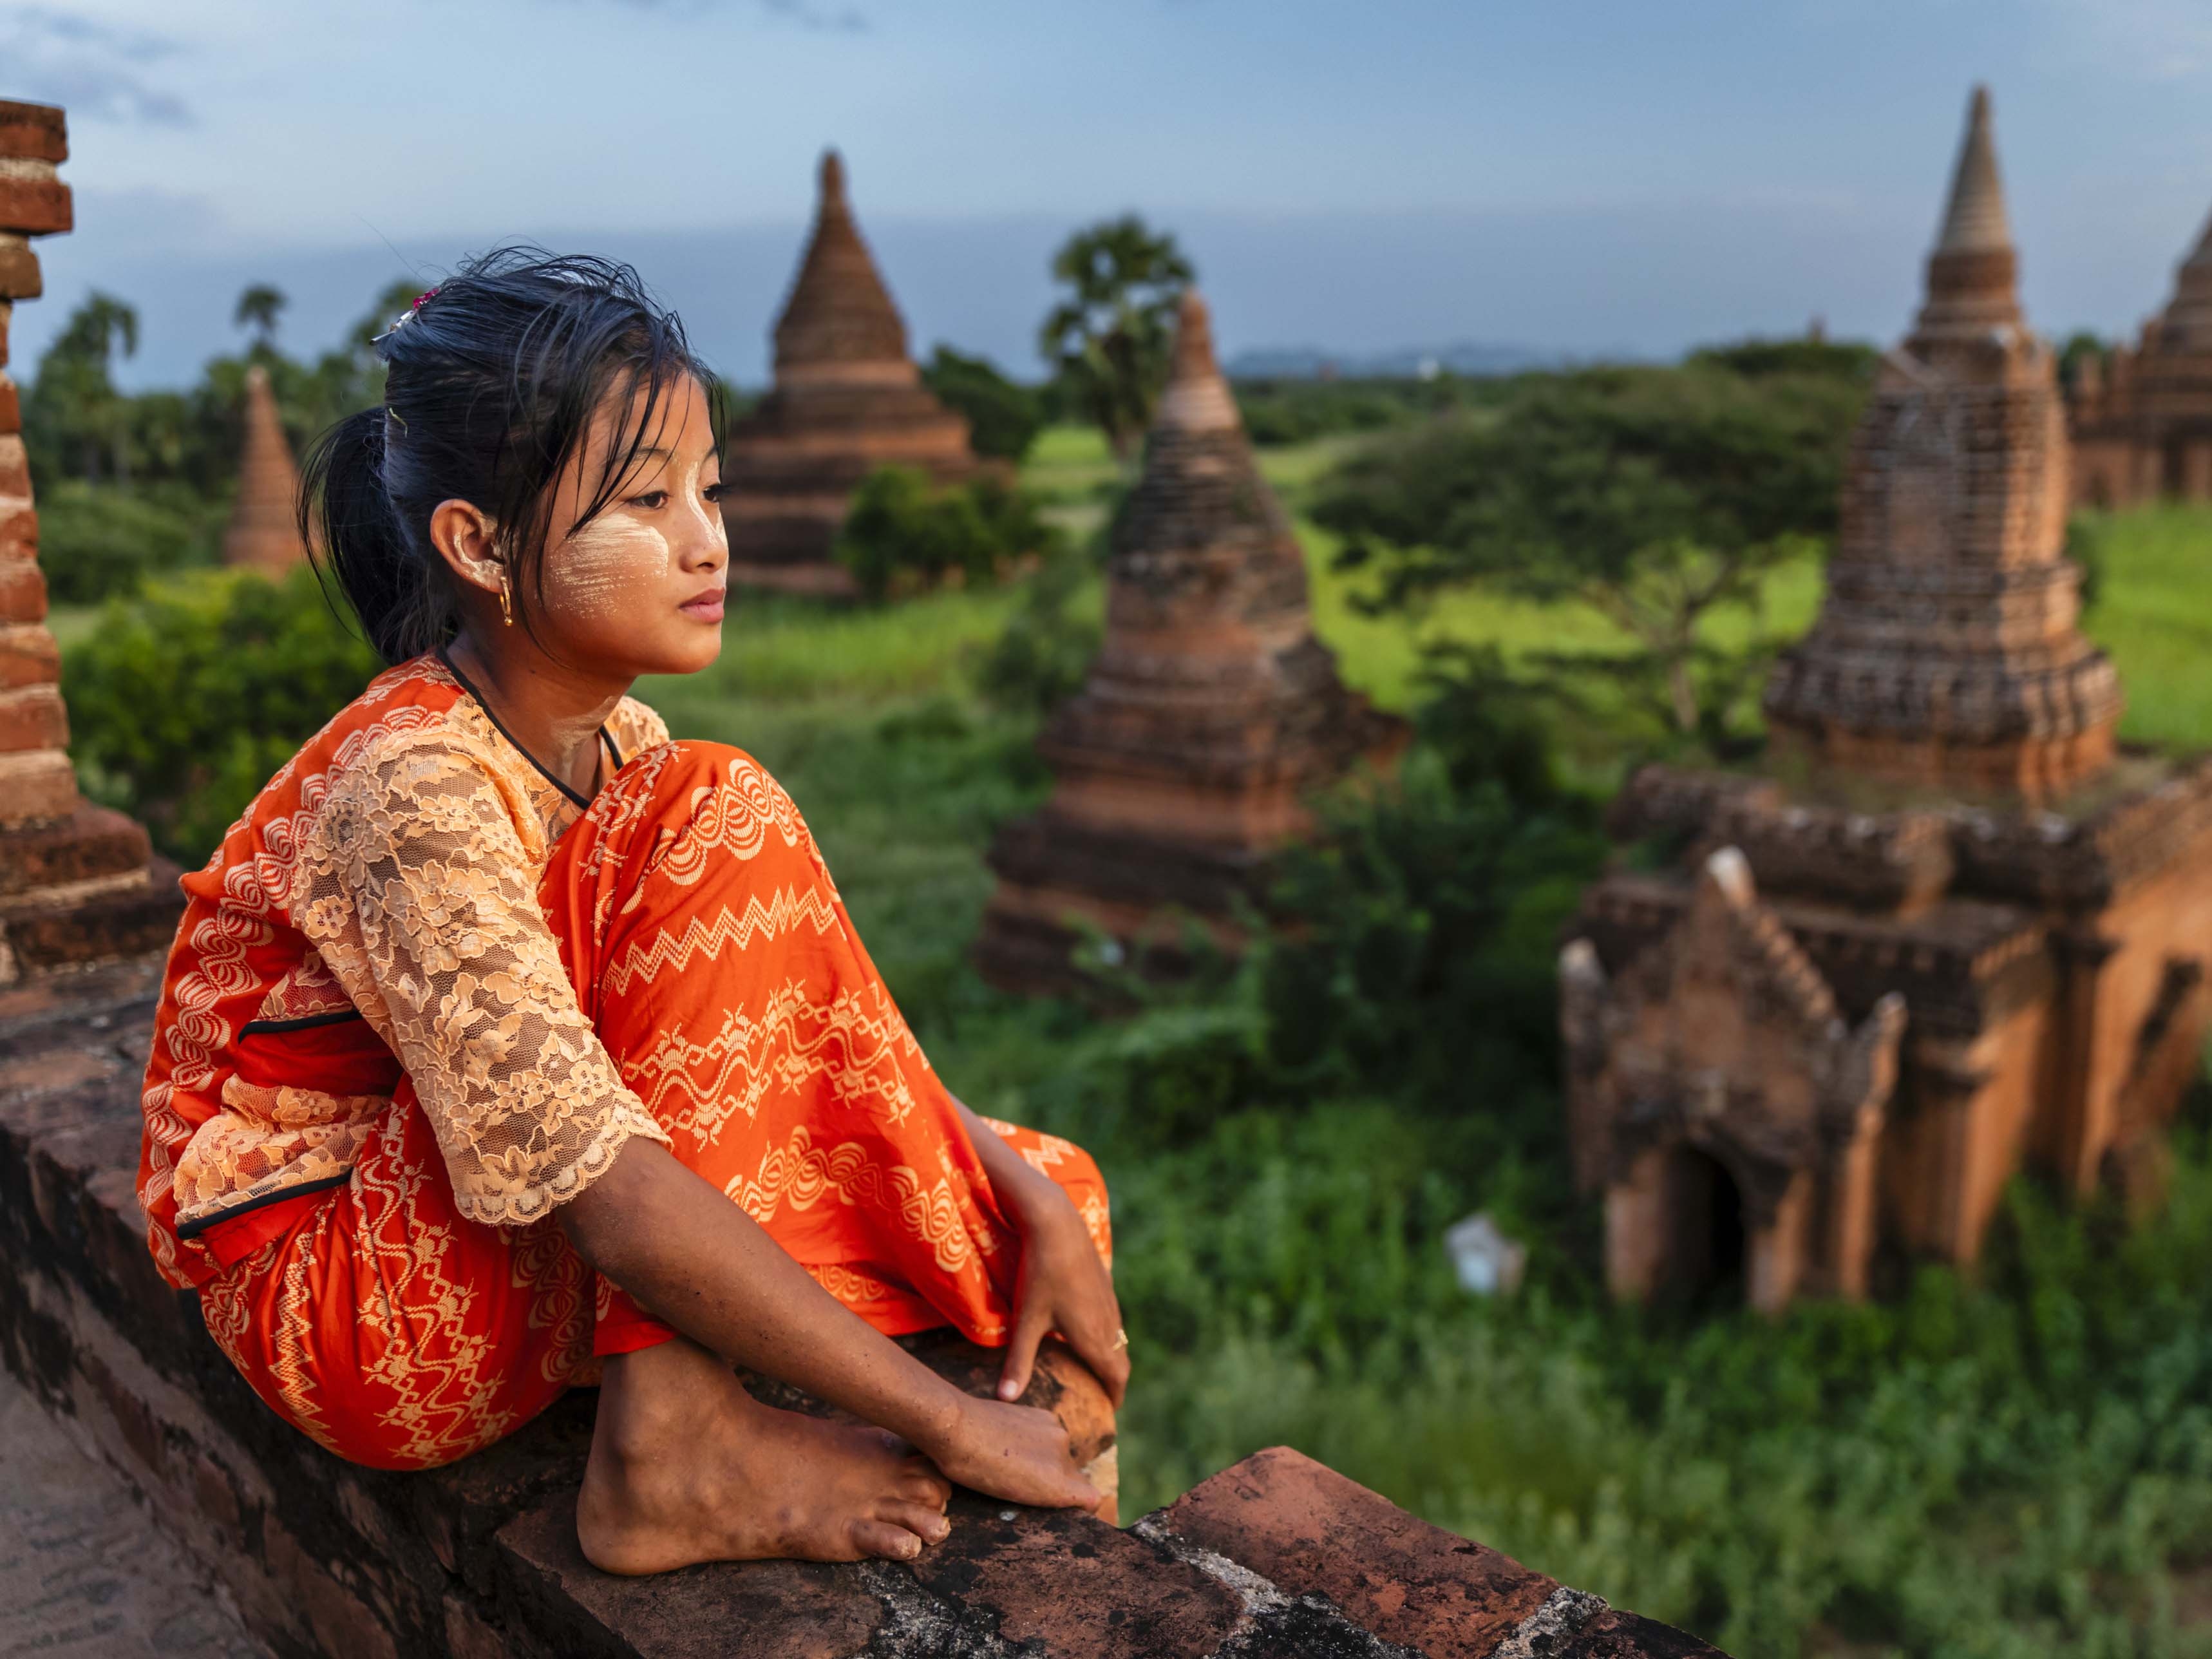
(422, 996)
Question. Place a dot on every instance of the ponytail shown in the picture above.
(403, 594)
(492, 381)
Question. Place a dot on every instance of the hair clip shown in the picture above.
(408, 315)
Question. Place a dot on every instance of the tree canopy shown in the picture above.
(1110, 336)
(1650, 494)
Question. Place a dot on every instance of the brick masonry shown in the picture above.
(1276, 1556)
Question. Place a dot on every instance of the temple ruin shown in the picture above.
(847, 400)
(2143, 416)
(263, 533)
(78, 883)
(1212, 713)
(1949, 930)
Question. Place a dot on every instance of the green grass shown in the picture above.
(2153, 614)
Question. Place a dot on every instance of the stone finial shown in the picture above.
(1197, 397)
(1973, 271)
(1975, 221)
(264, 533)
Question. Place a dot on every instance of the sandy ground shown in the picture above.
(82, 1571)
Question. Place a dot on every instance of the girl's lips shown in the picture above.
(708, 607)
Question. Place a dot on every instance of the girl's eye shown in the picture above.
(714, 493)
(653, 500)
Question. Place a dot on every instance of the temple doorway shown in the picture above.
(1704, 1210)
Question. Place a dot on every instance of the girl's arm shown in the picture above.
(693, 1260)
(1063, 1285)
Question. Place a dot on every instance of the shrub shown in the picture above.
(102, 541)
(905, 533)
(183, 702)
(1039, 661)
(1003, 416)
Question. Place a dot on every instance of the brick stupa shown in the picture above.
(1948, 931)
(847, 400)
(2142, 416)
(263, 533)
(1946, 653)
(77, 882)
(1210, 715)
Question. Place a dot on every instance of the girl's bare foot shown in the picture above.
(687, 1467)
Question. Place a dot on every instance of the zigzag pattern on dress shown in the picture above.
(794, 1039)
(783, 914)
(799, 1174)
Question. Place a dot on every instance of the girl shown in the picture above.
(502, 1031)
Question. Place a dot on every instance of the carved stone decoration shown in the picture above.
(77, 882)
(1946, 654)
(1212, 713)
(1942, 818)
(263, 533)
(1715, 1068)
(847, 400)
(2141, 417)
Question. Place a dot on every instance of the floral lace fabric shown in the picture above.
(392, 869)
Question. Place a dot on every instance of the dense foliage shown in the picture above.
(182, 705)
(1652, 495)
(1003, 416)
(903, 532)
(1295, 411)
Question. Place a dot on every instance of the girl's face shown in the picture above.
(639, 590)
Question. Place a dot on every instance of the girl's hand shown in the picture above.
(1015, 1452)
(1061, 1286)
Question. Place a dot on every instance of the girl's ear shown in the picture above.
(467, 540)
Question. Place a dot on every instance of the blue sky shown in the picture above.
(1580, 176)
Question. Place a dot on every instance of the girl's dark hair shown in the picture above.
(492, 380)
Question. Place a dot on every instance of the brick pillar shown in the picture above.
(77, 882)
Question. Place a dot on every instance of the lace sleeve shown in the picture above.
(415, 886)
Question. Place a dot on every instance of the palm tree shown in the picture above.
(257, 309)
(77, 387)
(1110, 337)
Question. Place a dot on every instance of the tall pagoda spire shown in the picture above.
(1946, 653)
(1972, 270)
(263, 533)
(1209, 717)
(847, 400)
(839, 312)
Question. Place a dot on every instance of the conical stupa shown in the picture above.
(2142, 417)
(1210, 715)
(1947, 653)
(264, 533)
(847, 400)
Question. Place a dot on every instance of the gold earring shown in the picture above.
(506, 602)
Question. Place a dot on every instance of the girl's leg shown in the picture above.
(687, 1467)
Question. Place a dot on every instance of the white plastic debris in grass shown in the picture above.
(1488, 1263)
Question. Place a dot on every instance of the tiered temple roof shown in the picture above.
(1211, 714)
(264, 533)
(1940, 821)
(1947, 654)
(2142, 416)
(847, 400)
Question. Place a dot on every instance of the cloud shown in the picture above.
(801, 14)
(2146, 40)
(90, 69)
(841, 19)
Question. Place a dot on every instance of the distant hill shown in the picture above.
(1464, 357)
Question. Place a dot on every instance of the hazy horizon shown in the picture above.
(1590, 180)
